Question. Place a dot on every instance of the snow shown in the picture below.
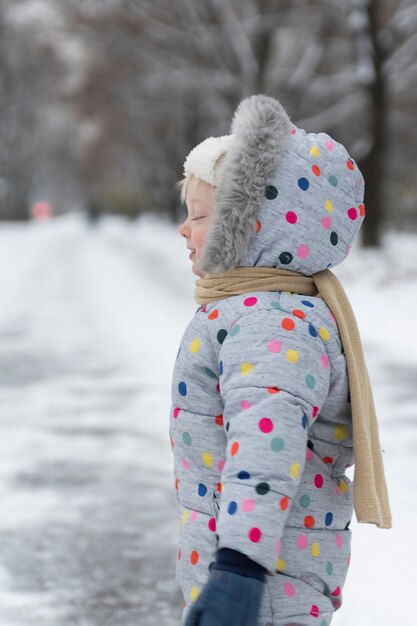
(90, 325)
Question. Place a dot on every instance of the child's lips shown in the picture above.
(191, 254)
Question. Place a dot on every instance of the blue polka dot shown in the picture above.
(304, 421)
(220, 367)
(202, 489)
(232, 508)
(303, 184)
(307, 303)
(243, 475)
(182, 388)
(313, 332)
(329, 519)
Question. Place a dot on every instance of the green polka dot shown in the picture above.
(277, 306)
(329, 568)
(271, 192)
(334, 238)
(285, 258)
(305, 501)
(333, 181)
(234, 330)
(221, 335)
(262, 488)
(210, 372)
(186, 437)
(311, 381)
(277, 444)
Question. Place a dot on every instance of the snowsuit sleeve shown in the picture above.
(274, 377)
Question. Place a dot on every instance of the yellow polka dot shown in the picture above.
(315, 549)
(246, 368)
(185, 517)
(324, 333)
(292, 356)
(280, 565)
(295, 470)
(340, 433)
(343, 486)
(328, 205)
(207, 459)
(315, 151)
(194, 593)
(195, 345)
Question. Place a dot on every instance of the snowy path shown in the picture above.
(87, 522)
(90, 323)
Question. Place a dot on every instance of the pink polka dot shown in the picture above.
(315, 411)
(278, 547)
(266, 425)
(220, 465)
(245, 404)
(176, 411)
(339, 540)
(255, 535)
(293, 131)
(315, 611)
(324, 361)
(318, 481)
(326, 222)
(302, 542)
(248, 505)
(194, 515)
(303, 251)
(289, 590)
(353, 214)
(291, 217)
(251, 301)
(274, 346)
(185, 464)
(329, 145)
(309, 455)
(179, 554)
(212, 524)
(338, 491)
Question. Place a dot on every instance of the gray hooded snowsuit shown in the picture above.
(260, 420)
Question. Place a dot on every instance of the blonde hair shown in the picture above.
(185, 182)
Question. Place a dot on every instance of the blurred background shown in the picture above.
(100, 102)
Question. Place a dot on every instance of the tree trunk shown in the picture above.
(373, 164)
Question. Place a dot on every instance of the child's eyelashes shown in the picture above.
(198, 218)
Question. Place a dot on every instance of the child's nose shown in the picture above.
(183, 229)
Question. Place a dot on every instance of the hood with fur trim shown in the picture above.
(285, 198)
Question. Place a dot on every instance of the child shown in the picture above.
(270, 395)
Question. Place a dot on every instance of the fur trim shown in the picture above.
(260, 130)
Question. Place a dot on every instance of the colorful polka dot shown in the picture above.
(243, 475)
(328, 205)
(288, 324)
(186, 437)
(255, 535)
(328, 519)
(289, 590)
(194, 557)
(310, 381)
(315, 549)
(277, 444)
(285, 258)
(246, 368)
(207, 459)
(305, 501)
(232, 508)
(251, 301)
(334, 238)
(221, 335)
(291, 217)
(194, 593)
(234, 330)
(333, 181)
(248, 505)
(195, 345)
(182, 388)
(271, 192)
(212, 524)
(326, 222)
(283, 503)
(266, 425)
(318, 481)
(309, 521)
(302, 542)
(303, 184)
(315, 151)
(234, 449)
(295, 470)
(353, 214)
(202, 490)
(316, 170)
(292, 356)
(262, 489)
(275, 346)
(303, 251)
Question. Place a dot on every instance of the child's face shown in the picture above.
(199, 202)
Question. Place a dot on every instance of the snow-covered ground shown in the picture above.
(90, 324)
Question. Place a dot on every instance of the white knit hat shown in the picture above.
(205, 160)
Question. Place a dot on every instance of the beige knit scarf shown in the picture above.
(370, 494)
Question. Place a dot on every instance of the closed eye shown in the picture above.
(198, 218)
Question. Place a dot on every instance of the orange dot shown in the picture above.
(234, 449)
(258, 226)
(328, 459)
(298, 313)
(176, 484)
(309, 521)
(273, 390)
(316, 170)
(287, 324)
(219, 487)
(283, 503)
(350, 165)
(214, 314)
(219, 420)
(362, 210)
(194, 557)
